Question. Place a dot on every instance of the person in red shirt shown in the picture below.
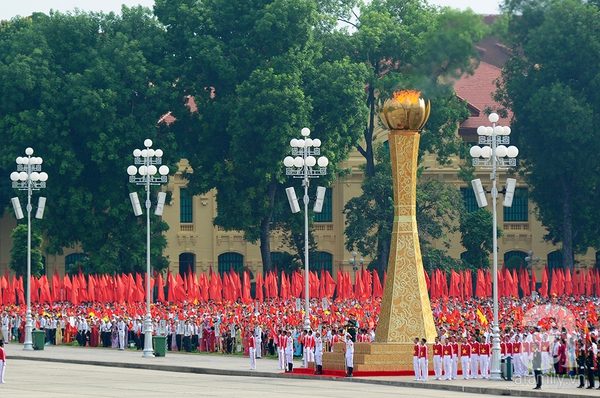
(281, 343)
(416, 359)
(465, 358)
(518, 358)
(474, 359)
(455, 355)
(423, 361)
(447, 359)
(484, 359)
(252, 349)
(437, 358)
(2, 361)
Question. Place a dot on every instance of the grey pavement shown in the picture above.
(129, 371)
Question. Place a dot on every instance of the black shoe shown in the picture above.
(536, 388)
(589, 388)
(580, 386)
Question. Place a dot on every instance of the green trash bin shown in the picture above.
(39, 339)
(160, 345)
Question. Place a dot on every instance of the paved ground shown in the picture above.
(95, 372)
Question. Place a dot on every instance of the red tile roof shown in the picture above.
(477, 90)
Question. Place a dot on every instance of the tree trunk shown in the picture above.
(265, 230)
(567, 249)
(383, 255)
(367, 151)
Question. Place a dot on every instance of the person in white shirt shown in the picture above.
(258, 337)
(318, 353)
(121, 331)
(5, 327)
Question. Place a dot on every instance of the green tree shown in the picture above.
(409, 44)
(18, 253)
(553, 91)
(475, 228)
(257, 77)
(84, 90)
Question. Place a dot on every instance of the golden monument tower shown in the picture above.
(405, 308)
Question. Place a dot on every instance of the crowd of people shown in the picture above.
(561, 329)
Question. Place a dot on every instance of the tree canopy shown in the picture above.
(84, 90)
(553, 91)
(257, 76)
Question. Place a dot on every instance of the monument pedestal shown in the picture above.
(370, 359)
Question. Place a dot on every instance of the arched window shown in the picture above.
(321, 261)
(555, 259)
(515, 259)
(72, 259)
(229, 261)
(187, 263)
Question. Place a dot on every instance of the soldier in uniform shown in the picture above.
(590, 363)
(537, 367)
(351, 326)
(581, 363)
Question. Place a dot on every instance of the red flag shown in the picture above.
(259, 288)
(377, 288)
(524, 281)
(246, 294)
(568, 290)
(480, 286)
(515, 283)
(544, 288)
(427, 281)
(488, 283)
(453, 284)
(160, 286)
(469, 283)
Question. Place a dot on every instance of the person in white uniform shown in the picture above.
(349, 355)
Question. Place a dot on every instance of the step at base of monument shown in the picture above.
(373, 359)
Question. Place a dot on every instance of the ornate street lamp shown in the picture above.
(302, 165)
(496, 156)
(147, 159)
(28, 177)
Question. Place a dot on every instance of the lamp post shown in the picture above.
(302, 165)
(494, 155)
(355, 264)
(147, 159)
(28, 177)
